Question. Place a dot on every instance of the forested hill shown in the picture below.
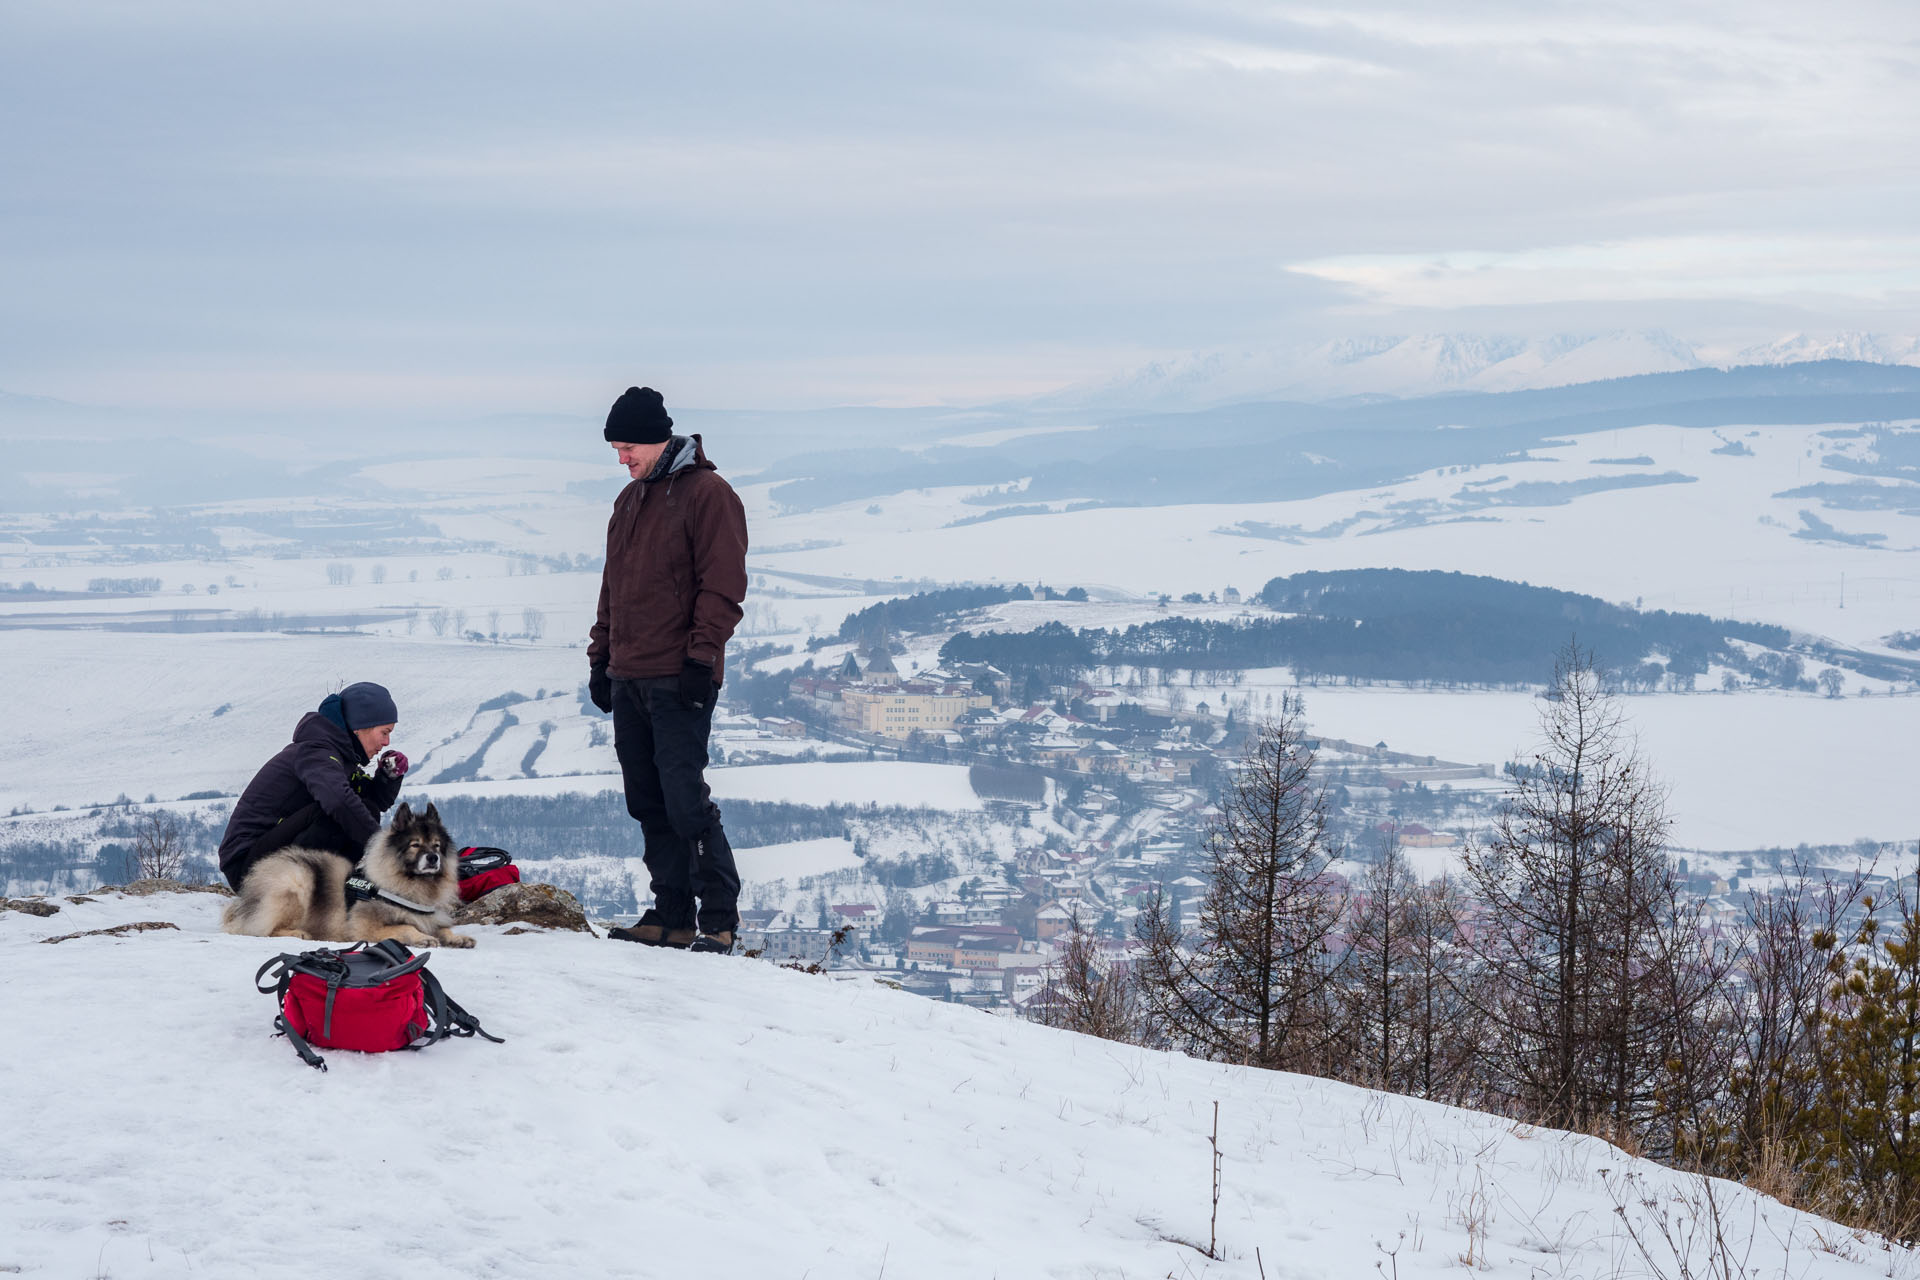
(1397, 624)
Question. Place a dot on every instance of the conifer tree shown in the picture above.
(1441, 1034)
(1575, 928)
(1377, 988)
(1252, 982)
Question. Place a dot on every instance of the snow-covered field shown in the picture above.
(936, 786)
(1723, 544)
(1745, 771)
(816, 782)
(101, 713)
(661, 1114)
(794, 860)
(95, 714)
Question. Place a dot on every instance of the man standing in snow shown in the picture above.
(670, 597)
(313, 793)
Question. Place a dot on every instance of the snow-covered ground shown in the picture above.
(661, 1114)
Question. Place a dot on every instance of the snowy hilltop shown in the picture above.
(664, 1114)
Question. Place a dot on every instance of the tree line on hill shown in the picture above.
(1394, 624)
(1565, 978)
(532, 827)
(572, 826)
(927, 611)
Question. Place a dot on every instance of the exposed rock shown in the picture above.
(119, 930)
(78, 898)
(541, 905)
(146, 888)
(28, 906)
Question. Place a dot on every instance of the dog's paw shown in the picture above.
(455, 940)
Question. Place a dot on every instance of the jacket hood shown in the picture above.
(315, 727)
(683, 453)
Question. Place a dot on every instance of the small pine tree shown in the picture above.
(1866, 1119)
(1253, 982)
(1376, 989)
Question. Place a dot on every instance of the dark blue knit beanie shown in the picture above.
(361, 706)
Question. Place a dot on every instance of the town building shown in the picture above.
(900, 709)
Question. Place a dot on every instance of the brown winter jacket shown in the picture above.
(676, 569)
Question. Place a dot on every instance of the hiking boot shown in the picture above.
(654, 935)
(718, 943)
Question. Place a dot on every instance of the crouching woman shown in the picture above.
(318, 792)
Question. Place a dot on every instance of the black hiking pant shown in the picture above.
(662, 745)
(310, 828)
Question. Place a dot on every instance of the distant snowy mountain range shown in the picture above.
(1428, 364)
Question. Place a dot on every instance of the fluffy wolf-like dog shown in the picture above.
(302, 893)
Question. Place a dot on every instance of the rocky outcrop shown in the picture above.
(118, 931)
(146, 888)
(540, 905)
(29, 906)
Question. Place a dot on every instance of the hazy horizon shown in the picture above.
(459, 210)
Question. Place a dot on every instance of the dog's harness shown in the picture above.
(361, 889)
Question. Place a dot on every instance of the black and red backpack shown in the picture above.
(371, 999)
(483, 869)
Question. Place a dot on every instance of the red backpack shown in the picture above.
(366, 998)
(484, 869)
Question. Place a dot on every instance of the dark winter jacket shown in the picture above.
(321, 766)
(676, 569)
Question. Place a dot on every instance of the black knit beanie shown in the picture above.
(639, 417)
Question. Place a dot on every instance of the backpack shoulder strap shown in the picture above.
(447, 1017)
(299, 1043)
(287, 965)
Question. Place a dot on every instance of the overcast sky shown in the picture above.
(514, 206)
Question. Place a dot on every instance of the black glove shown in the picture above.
(696, 684)
(600, 688)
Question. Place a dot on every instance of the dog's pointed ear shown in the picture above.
(432, 814)
(402, 817)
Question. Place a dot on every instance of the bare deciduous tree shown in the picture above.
(1086, 992)
(159, 850)
(1771, 1081)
